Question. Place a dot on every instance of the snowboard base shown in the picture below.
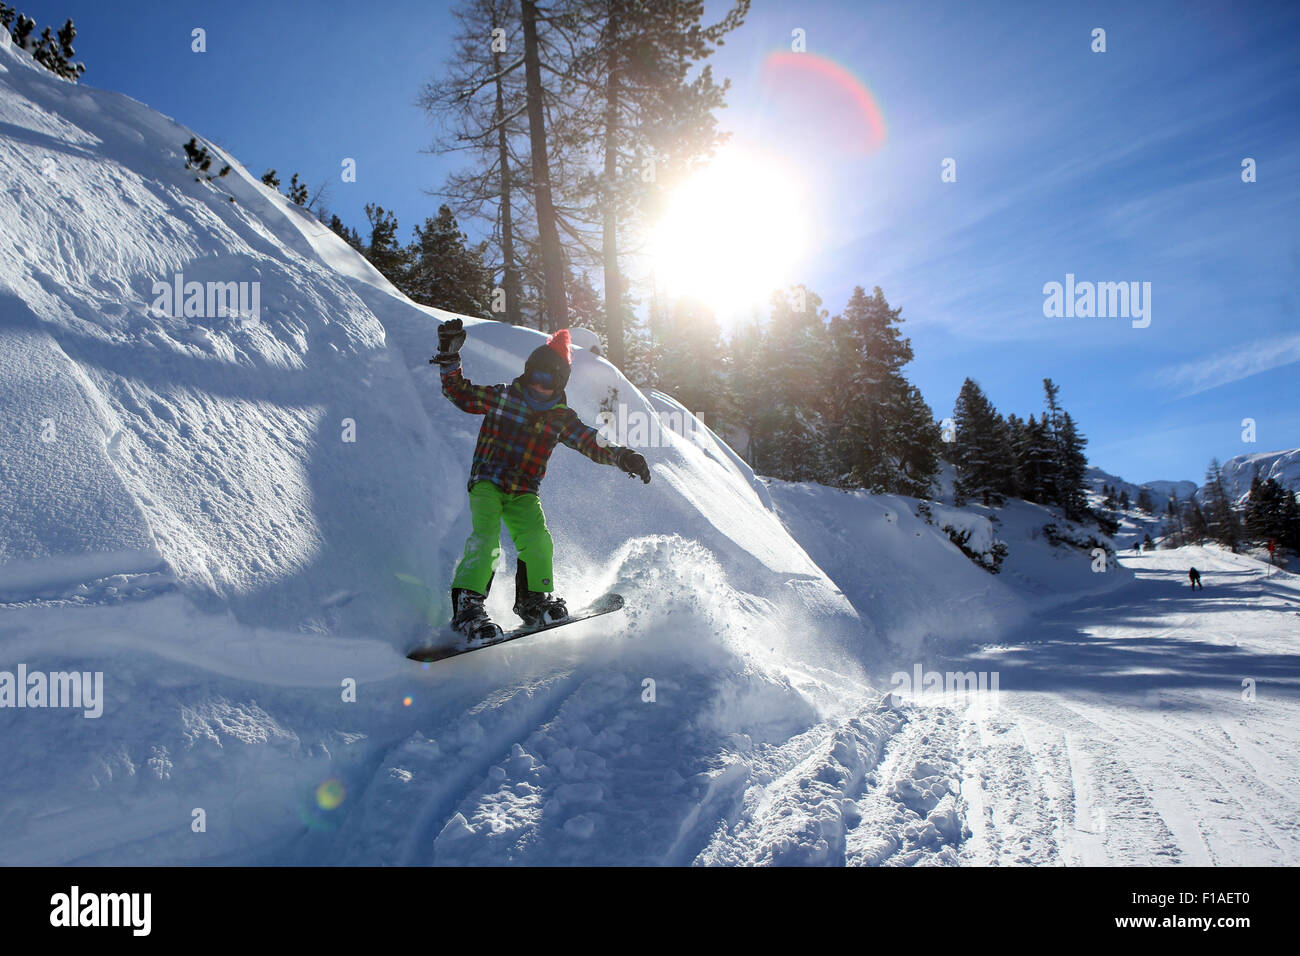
(440, 652)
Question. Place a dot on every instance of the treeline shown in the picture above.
(1269, 512)
(52, 51)
(1039, 459)
(803, 395)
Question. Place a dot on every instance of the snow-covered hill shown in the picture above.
(1160, 491)
(1282, 466)
(223, 515)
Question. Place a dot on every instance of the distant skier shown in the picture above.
(522, 423)
(1195, 577)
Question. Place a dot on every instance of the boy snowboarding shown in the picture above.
(522, 422)
(1195, 577)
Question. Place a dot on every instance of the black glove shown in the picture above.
(451, 336)
(633, 463)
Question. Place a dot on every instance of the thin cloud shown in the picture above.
(1262, 355)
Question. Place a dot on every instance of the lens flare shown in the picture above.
(330, 794)
(812, 96)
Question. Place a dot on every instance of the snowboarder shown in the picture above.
(522, 422)
(1196, 579)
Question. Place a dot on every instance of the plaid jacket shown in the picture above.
(515, 442)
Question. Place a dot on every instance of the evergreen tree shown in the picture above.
(298, 193)
(1175, 527)
(1195, 526)
(1144, 501)
(917, 446)
(868, 395)
(1223, 523)
(690, 368)
(348, 235)
(1124, 503)
(1034, 461)
(1108, 502)
(1072, 469)
(444, 271)
(787, 427)
(269, 178)
(52, 51)
(383, 249)
(1270, 513)
(981, 451)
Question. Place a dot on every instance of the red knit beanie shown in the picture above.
(560, 342)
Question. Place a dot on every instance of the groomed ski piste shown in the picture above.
(244, 522)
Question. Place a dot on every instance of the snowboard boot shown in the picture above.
(536, 608)
(471, 618)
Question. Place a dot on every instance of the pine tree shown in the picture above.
(1269, 512)
(383, 249)
(690, 368)
(981, 449)
(1223, 523)
(1072, 470)
(269, 178)
(1195, 525)
(918, 444)
(444, 271)
(54, 52)
(788, 432)
(1034, 461)
(298, 193)
(867, 391)
(348, 235)
(1144, 501)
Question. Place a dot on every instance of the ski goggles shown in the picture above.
(542, 378)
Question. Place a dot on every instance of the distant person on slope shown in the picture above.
(522, 422)
(1196, 579)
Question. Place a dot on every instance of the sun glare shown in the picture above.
(732, 233)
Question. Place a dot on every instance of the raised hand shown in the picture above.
(451, 336)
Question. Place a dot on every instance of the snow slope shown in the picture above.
(243, 521)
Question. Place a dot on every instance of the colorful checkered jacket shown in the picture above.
(515, 442)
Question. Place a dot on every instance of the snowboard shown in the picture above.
(428, 653)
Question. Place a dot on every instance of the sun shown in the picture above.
(731, 233)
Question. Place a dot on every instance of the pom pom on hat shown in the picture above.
(561, 344)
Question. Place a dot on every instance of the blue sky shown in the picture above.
(1115, 166)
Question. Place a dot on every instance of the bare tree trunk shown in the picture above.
(609, 227)
(510, 273)
(556, 308)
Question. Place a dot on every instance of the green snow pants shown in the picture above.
(488, 507)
